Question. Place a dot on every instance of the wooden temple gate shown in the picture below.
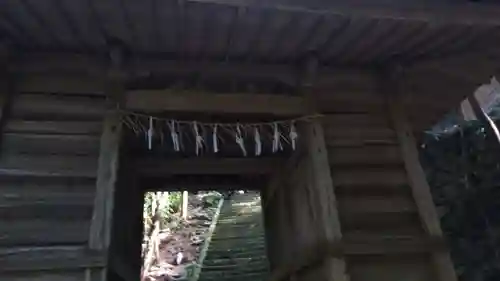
(351, 203)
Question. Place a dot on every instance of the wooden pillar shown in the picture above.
(321, 185)
(107, 171)
(391, 85)
(6, 86)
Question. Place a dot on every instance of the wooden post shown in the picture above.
(321, 180)
(100, 227)
(419, 186)
(6, 86)
(184, 211)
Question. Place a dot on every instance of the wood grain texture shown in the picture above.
(416, 175)
(65, 275)
(107, 171)
(159, 167)
(48, 166)
(168, 100)
(50, 258)
(43, 232)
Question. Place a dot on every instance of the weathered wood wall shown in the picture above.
(368, 208)
(48, 164)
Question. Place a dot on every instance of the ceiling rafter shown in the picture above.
(41, 22)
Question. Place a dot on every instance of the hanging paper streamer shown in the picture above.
(293, 135)
(214, 139)
(174, 135)
(276, 137)
(198, 138)
(180, 130)
(258, 143)
(239, 140)
(150, 133)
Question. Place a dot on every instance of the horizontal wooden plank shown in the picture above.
(43, 232)
(96, 66)
(405, 266)
(346, 120)
(405, 223)
(359, 133)
(60, 107)
(462, 13)
(365, 155)
(73, 275)
(372, 190)
(370, 245)
(353, 80)
(60, 258)
(380, 205)
(169, 100)
(48, 165)
(26, 211)
(53, 127)
(352, 142)
(157, 167)
(50, 144)
(27, 190)
(370, 176)
(63, 83)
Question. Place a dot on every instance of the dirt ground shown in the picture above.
(180, 247)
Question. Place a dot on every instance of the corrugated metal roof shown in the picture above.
(213, 31)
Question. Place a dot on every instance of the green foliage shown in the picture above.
(211, 199)
(463, 169)
(168, 203)
(175, 202)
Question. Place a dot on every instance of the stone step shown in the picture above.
(240, 268)
(239, 244)
(234, 276)
(231, 238)
(250, 261)
(237, 250)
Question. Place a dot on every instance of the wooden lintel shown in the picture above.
(167, 100)
(207, 166)
(197, 187)
(49, 258)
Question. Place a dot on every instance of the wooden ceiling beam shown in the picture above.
(154, 167)
(464, 13)
(96, 66)
(168, 100)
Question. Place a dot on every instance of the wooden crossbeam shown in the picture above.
(49, 258)
(95, 66)
(459, 13)
(151, 167)
(167, 100)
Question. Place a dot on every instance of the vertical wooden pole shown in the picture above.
(107, 174)
(6, 86)
(391, 85)
(322, 190)
(185, 197)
